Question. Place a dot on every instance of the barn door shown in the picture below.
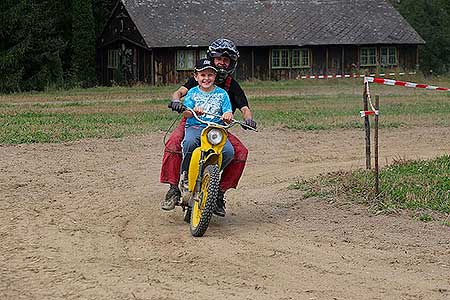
(334, 60)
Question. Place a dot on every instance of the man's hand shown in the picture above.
(227, 117)
(250, 122)
(176, 105)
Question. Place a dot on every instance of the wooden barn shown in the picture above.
(158, 41)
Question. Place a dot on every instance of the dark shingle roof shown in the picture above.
(171, 23)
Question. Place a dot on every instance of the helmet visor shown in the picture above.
(223, 52)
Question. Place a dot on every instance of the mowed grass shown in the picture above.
(420, 185)
(58, 116)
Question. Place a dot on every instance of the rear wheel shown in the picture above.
(203, 209)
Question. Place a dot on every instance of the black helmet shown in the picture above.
(223, 47)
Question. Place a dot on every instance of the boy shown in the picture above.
(206, 97)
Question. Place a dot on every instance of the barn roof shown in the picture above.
(174, 23)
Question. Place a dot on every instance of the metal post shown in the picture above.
(377, 180)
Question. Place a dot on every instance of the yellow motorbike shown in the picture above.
(199, 199)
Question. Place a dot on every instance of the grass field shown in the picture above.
(58, 116)
(102, 112)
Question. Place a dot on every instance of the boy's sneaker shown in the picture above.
(220, 205)
(172, 198)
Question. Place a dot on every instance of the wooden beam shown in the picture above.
(367, 128)
(253, 64)
(270, 64)
(417, 57)
(152, 68)
(377, 172)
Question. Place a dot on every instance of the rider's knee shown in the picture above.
(173, 143)
(240, 153)
(189, 145)
(229, 152)
(173, 146)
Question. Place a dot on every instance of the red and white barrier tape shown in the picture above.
(365, 113)
(373, 111)
(331, 76)
(405, 84)
(392, 82)
(350, 75)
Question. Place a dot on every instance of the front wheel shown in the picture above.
(202, 210)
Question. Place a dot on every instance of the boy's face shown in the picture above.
(205, 78)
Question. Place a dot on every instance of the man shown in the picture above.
(224, 55)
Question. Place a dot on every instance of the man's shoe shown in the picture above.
(172, 198)
(220, 205)
(183, 186)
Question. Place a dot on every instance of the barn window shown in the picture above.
(202, 53)
(113, 58)
(301, 58)
(368, 56)
(185, 59)
(388, 56)
(280, 58)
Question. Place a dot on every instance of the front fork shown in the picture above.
(194, 196)
(198, 182)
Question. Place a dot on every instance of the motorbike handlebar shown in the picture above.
(233, 121)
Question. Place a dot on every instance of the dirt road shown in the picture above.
(82, 221)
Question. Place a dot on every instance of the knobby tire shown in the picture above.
(210, 185)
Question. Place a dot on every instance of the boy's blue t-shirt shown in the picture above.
(215, 102)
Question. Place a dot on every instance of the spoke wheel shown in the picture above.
(202, 210)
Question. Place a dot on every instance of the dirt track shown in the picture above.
(82, 221)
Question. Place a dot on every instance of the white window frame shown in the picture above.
(302, 60)
(202, 53)
(185, 60)
(388, 56)
(280, 62)
(113, 58)
(368, 56)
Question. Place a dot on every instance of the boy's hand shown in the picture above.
(198, 110)
(227, 117)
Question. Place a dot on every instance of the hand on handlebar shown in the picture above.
(176, 105)
(249, 122)
(227, 117)
(198, 110)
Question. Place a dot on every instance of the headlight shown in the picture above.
(215, 136)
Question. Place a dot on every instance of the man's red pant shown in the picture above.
(171, 164)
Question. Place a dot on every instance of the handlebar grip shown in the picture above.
(183, 108)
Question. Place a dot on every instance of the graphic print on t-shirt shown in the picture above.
(211, 103)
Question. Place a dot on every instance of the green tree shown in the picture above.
(102, 11)
(31, 45)
(12, 48)
(83, 43)
(431, 19)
